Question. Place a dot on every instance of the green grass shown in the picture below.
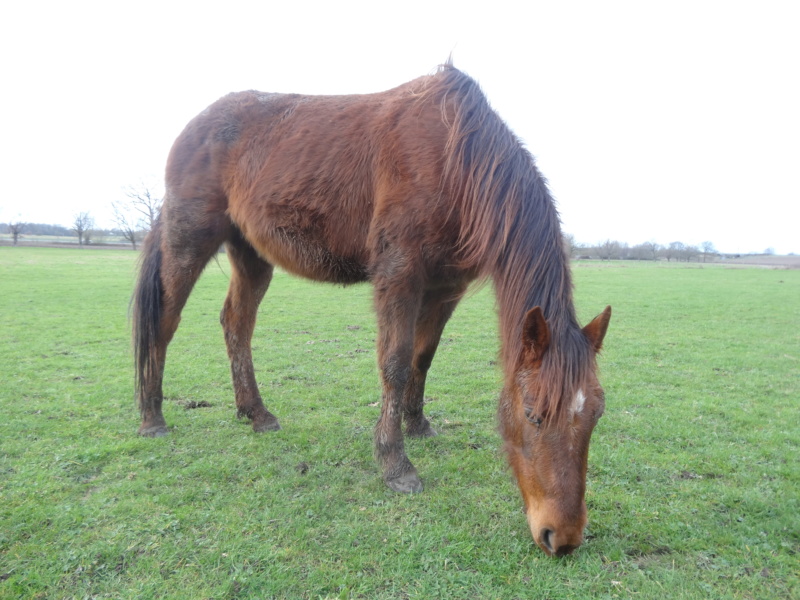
(693, 481)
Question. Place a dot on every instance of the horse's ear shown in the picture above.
(535, 335)
(596, 330)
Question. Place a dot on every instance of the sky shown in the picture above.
(652, 121)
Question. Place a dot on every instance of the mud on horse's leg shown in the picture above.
(250, 279)
(437, 307)
(150, 398)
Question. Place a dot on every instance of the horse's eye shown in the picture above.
(533, 419)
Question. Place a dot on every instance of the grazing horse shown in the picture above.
(420, 190)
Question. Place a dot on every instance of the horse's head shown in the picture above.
(547, 440)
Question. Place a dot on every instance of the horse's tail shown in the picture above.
(147, 309)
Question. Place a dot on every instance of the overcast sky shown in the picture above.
(653, 121)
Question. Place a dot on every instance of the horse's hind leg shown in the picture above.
(173, 257)
(437, 307)
(250, 278)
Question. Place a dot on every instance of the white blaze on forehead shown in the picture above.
(577, 405)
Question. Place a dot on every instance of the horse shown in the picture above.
(420, 190)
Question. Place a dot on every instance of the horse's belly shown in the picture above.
(307, 256)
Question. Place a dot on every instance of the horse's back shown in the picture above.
(317, 183)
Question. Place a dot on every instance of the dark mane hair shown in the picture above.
(510, 231)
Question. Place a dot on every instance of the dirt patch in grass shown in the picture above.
(190, 404)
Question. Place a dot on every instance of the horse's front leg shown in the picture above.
(437, 307)
(397, 314)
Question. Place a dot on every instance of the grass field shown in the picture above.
(694, 481)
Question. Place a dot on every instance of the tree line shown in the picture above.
(132, 218)
(614, 250)
(135, 216)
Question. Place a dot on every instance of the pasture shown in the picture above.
(693, 486)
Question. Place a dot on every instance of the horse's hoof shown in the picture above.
(266, 425)
(153, 431)
(405, 484)
(422, 432)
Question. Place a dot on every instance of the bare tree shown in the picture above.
(608, 250)
(16, 230)
(674, 250)
(647, 250)
(690, 252)
(81, 225)
(708, 250)
(144, 202)
(136, 216)
(571, 246)
(126, 223)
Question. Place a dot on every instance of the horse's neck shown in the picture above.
(534, 273)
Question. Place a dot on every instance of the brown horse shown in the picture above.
(420, 190)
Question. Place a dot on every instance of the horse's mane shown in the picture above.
(510, 231)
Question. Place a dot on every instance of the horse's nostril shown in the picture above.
(565, 550)
(547, 539)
